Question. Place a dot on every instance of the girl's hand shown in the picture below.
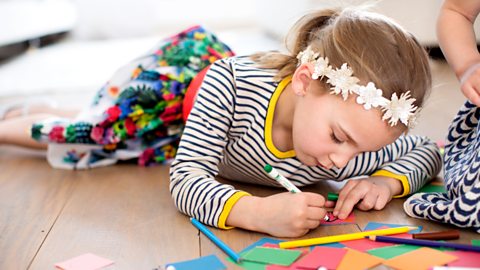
(365, 194)
(470, 84)
(289, 214)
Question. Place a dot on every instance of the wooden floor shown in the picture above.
(123, 213)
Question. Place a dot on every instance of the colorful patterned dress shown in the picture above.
(137, 115)
(460, 206)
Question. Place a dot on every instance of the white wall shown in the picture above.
(100, 19)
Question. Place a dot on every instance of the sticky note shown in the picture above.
(475, 242)
(465, 259)
(210, 262)
(422, 258)
(266, 255)
(328, 257)
(354, 260)
(86, 261)
(392, 251)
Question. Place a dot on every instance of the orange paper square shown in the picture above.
(420, 259)
(358, 260)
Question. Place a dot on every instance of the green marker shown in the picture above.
(332, 196)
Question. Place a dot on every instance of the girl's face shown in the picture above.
(328, 131)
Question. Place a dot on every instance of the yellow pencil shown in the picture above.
(344, 237)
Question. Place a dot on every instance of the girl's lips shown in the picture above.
(323, 166)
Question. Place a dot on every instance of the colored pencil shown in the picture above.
(232, 254)
(441, 235)
(344, 237)
(424, 243)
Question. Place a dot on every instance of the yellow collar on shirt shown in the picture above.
(269, 121)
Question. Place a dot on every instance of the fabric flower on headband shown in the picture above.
(343, 82)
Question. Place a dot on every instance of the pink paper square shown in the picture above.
(465, 259)
(366, 244)
(334, 221)
(86, 261)
(328, 257)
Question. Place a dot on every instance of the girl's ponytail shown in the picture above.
(297, 40)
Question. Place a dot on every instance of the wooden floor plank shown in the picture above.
(124, 213)
(32, 196)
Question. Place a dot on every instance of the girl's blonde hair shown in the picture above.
(376, 48)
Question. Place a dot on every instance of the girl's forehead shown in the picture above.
(365, 127)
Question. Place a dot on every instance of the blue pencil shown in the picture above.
(216, 240)
(424, 243)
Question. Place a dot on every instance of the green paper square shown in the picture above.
(476, 242)
(392, 251)
(433, 188)
(278, 256)
(249, 265)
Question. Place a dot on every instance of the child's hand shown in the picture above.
(366, 194)
(470, 84)
(290, 215)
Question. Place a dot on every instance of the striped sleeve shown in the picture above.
(413, 160)
(193, 186)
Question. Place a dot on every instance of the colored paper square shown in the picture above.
(253, 265)
(249, 265)
(335, 245)
(261, 242)
(328, 257)
(354, 260)
(422, 258)
(475, 242)
(293, 266)
(392, 251)
(366, 244)
(210, 262)
(433, 187)
(465, 259)
(86, 261)
(277, 256)
(336, 221)
(376, 225)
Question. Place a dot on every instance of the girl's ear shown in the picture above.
(301, 79)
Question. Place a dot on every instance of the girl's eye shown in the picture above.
(335, 139)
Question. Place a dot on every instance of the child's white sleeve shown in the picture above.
(194, 189)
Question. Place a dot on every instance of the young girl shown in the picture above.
(334, 108)
(460, 206)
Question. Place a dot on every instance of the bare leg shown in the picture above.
(42, 109)
(16, 131)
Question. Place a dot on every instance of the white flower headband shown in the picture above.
(343, 82)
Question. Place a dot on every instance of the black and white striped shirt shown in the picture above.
(229, 133)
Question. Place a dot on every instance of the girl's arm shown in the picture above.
(455, 33)
(397, 170)
(194, 189)
(412, 160)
